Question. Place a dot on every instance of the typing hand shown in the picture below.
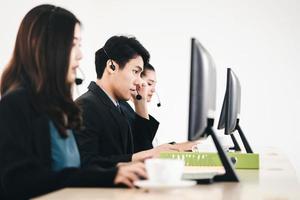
(185, 146)
(151, 153)
(164, 148)
(129, 173)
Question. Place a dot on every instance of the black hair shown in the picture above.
(40, 61)
(148, 67)
(120, 49)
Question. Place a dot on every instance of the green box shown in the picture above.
(243, 160)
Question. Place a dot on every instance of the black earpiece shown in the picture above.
(112, 66)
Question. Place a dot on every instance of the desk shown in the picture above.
(276, 179)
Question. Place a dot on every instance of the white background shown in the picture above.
(258, 39)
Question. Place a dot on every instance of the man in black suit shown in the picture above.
(108, 133)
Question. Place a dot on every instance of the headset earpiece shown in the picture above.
(112, 66)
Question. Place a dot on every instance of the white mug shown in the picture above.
(164, 170)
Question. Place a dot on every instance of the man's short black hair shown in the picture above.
(120, 49)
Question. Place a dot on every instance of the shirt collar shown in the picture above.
(116, 103)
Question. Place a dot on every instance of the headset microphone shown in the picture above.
(138, 97)
(78, 81)
(159, 103)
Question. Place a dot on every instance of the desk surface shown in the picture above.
(276, 179)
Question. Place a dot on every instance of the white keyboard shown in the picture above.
(200, 172)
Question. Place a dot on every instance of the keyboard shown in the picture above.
(200, 172)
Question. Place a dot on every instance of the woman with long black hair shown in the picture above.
(38, 152)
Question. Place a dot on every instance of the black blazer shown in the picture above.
(107, 133)
(25, 153)
(142, 135)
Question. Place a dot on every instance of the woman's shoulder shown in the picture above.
(15, 94)
(16, 97)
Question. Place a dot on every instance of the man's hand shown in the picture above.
(185, 146)
(141, 89)
(152, 153)
(141, 105)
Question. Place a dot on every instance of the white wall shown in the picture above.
(259, 39)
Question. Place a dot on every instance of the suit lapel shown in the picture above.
(101, 95)
(122, 124)
(119, 119)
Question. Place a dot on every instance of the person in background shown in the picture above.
(144, 141)
(149, 76)
(38, 118)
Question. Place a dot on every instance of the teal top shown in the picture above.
(64, 151)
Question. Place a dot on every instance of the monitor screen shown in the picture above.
(231, 104)
(202, 103)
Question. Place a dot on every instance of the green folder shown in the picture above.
(243, 160)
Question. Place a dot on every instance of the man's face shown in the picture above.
(128, 79)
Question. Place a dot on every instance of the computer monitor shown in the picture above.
(203, 104)
(202, 91)
(230, 114)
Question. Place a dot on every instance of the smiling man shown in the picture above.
(108, 133)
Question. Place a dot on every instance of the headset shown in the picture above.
(112, 66)
(158, 100)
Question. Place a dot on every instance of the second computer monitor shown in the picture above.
(230, 114)
(231, 104)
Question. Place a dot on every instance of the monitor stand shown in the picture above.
(243, 138)
(236, 146)
(230, 174)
